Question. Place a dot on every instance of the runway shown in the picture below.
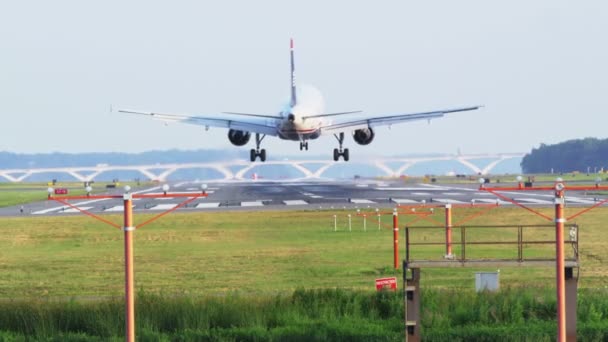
(313, 195)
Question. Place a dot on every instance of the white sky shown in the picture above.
(539, 67)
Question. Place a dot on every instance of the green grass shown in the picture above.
(12, 194)
(263, 252)
(308, 315)
(240, 276)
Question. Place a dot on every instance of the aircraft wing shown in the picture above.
(250, 124)
(387, 120)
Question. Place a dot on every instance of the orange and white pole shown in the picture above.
(448, 230)
(559, 262)
(129, 286)
(395, 240)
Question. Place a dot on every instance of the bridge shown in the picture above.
(235, 170)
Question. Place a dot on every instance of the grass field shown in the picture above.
(204, 253)
(246, 268)
(21, 193)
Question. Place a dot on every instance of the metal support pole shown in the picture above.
(395, 240)
(129, 286)
(379, 222)
(448, 231)
(559, 262)
(364, 222)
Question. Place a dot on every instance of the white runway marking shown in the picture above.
(207, 205)
(66, 207)
(411, 189)
(362, 185)
(315, 196)
(40, 212)
(447, 200)
(72, 210)
(252, 204)
(295, 202)
(452, 193)
(579, 200)
(117, 208)
(491, 201)
(164, 206)
(361, 201)
(403, 200)
(532, 200)
(420, 193)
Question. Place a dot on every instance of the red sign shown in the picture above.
(61, 191)
(386, 283)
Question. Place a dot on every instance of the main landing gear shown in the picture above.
(303, 145)
(254, 154)
(340, 152)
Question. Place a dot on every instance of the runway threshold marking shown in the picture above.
(252, 204)
(207, 205)
(164, 206)
(361, 201)
(118, 208)
(295, 202)
(72, 210)
(580, 200)
(403, 200)
(447, 200)
(491, 201)
(533, 200)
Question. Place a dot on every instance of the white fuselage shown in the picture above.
(297, 123)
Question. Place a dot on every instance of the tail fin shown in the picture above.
(293, 75)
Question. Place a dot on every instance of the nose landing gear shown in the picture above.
(303, 145)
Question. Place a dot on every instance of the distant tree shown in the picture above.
(572, 155)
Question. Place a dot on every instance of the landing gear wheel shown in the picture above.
(306, 145)
(263, 155)
(253, 154)
(339, 151)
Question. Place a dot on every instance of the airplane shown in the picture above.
(302, 119)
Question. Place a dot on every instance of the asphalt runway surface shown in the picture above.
(311, 195)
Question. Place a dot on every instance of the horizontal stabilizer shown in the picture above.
(256, 115)
(331, 114)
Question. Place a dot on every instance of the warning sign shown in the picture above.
(386, 283)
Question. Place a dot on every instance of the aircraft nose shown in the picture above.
(291, 117)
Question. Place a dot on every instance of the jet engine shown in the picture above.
(364, 136)
(238, 138)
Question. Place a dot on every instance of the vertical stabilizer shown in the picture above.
(293, 75)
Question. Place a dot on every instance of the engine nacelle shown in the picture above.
(238, 138)
(364, 136)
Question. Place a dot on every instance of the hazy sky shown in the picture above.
(539, 67)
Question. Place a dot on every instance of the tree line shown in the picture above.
(589, 155)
